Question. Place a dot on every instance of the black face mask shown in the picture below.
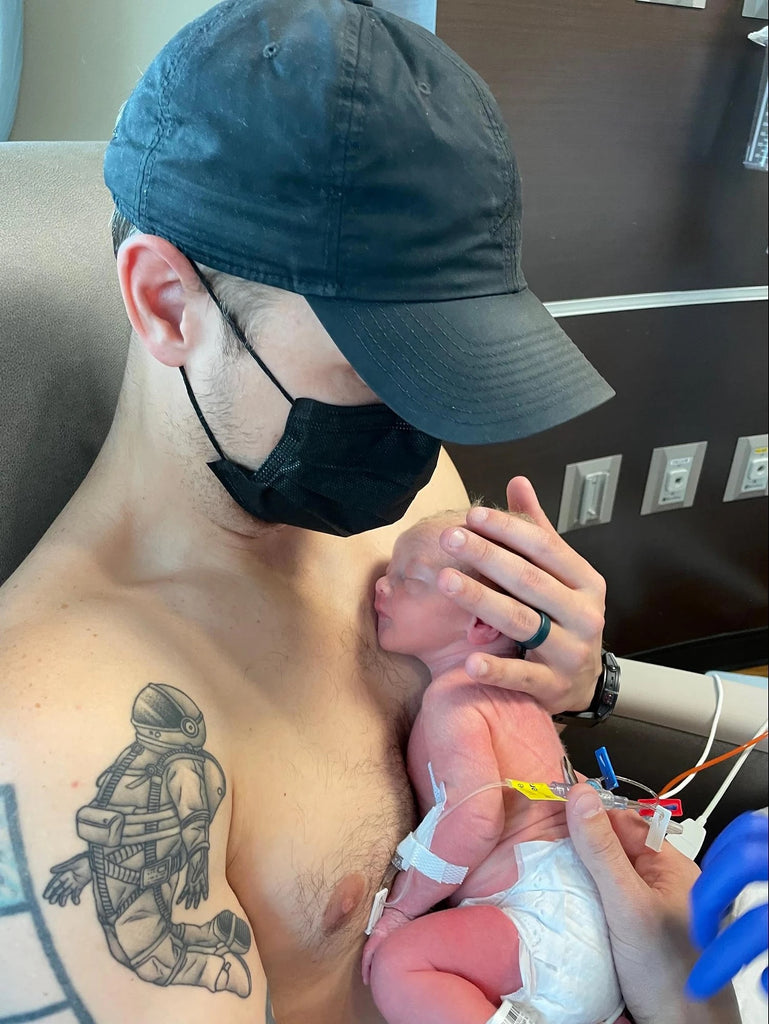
(337, 469)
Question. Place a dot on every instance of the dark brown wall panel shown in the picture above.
(630, 123)
(683, 374)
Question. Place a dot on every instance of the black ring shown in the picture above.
(541, 634)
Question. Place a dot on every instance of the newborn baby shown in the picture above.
(524, 938)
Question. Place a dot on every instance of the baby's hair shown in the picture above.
(455, 516)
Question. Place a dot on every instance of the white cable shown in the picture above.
(729, 778)
(714, 725)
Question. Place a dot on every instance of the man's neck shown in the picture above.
(164, 513)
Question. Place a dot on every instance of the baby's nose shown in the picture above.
(381, 586)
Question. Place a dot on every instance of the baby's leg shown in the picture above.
(447, 968)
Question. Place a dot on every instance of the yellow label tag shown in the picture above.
(534, 790)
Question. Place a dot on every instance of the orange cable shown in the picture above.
(715, 760)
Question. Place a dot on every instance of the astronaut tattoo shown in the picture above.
(147, 836)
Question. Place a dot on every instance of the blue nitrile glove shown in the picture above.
(738, 856)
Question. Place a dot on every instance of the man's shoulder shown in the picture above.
(65, 663)
(43, 639)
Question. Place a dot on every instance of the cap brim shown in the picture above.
(472, 371)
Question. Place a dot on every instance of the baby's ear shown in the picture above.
(480, 633)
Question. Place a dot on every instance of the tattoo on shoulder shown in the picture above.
(146, 836)
(268, 1015)
(26, 946)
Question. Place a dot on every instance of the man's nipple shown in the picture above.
(344, 901)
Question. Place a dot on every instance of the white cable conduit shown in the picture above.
(655, 300)
(683, 700)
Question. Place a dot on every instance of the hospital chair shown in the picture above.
(63, 339)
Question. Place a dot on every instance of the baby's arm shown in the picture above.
(452, 734)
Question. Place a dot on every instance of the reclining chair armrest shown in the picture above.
(686, 701)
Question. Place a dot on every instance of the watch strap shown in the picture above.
(604, 699)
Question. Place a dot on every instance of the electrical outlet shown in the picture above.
(589, 489)
(677, 3)
(755, 9)
(674, 472)
(748, 474)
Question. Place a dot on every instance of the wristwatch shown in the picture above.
(604, 699)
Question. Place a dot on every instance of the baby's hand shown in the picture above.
(389, 922)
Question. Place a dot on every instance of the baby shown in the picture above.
(524, 938)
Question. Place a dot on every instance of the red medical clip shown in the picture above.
(672, 805)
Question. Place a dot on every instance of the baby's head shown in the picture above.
(414, 616)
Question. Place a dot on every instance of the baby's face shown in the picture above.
(414, 617)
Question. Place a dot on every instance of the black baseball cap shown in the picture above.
(339, 151)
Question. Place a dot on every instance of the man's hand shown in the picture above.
(389, 922)
(195, 886)
(69, 880)
(645, 897)
(538, 570)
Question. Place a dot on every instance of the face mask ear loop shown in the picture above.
(199, 414)
(240, 335)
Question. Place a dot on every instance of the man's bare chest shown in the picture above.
(320, 801)
(321, 793)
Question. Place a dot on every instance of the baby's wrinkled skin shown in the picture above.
(472, 735)
(414, 617)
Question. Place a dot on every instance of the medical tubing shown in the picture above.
(748, 749)
(609, 801)
(761, 735)
(501, 784)
(638, 785)
(711, 736)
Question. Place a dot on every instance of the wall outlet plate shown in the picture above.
(674, 472)
(677, 3)
(755, 9)
(748, 475)
(589, 489)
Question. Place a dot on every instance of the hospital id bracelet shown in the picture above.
(604, 699)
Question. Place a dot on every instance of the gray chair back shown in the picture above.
(63, 332)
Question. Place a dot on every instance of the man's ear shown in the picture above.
(158, 284)
(480, 633)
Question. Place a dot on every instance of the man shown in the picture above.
(318, 235)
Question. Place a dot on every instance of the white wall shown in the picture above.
(83, 57)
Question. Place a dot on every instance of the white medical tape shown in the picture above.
(658, 827)
(425, 830)
(377, 909)
(414, 850)
(439, 792)
(414, 855)
(611, 1019)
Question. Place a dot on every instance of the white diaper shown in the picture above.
(567, 970)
